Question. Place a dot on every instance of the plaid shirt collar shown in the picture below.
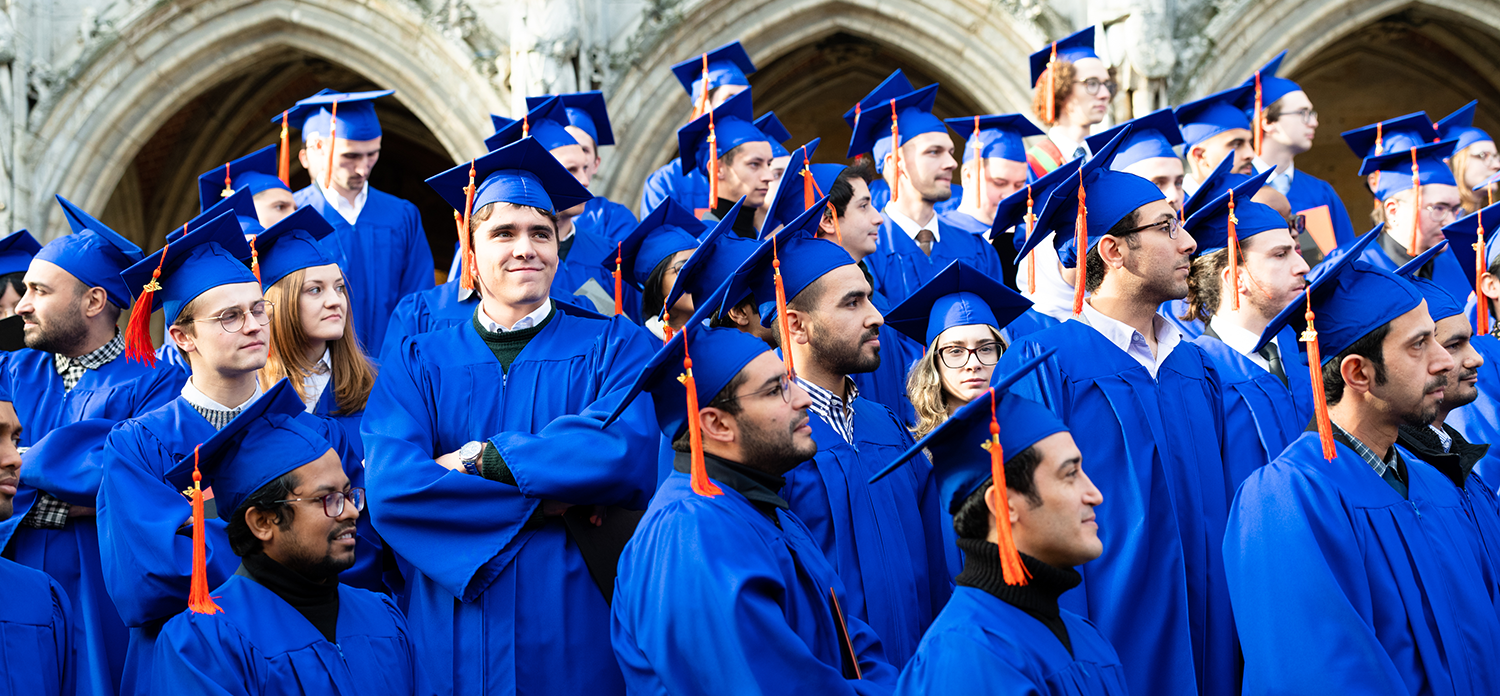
(1379, 465)
(99, 357)
(837, 412)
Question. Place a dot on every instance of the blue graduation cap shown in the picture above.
(1463, 237)
(586, 111)
(726, 65)
(790, 199)
(913, 112)
(804, 259)
(1459, 126)
(1013, 209)
(775, 132)
(1398, 134)
(547, 122)
(355, 120)
(521, 173)
(1151, 136)
(733, 125)
(1272, 88)
(1072, 48)
(256, 171)
(93, 253)
(1441, 304)
(1217, 183)
(16, 251)
(1396, 168)
(666, 230)
(1209, 224)
(292, 244)
(720, 252)
(996, 136)
(891, 87)
(1205, 118)
(959, 295)
(500, 122)
(212, 255)
(241, 203)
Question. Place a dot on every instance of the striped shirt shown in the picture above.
(836, 412)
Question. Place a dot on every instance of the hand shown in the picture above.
(79, 511)
(452, 461)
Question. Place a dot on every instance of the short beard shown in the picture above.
(64, 334)
(1452, 398)
(840, 357)
(319, 569)
(1429, 413)
(771, 452)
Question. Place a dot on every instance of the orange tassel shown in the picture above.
(333, 129)
(807, 182)
(1012, 568)
(284, 168)
(1379, 139)
(666, 327)
(699, 473)
(1416, 208)
(896, 152)
(1081, 240)
(786, 345)
(701, 107)
(1052, 86)
(1031, 255)
(254, 258)
(1315, 366)
(525, 125)
(138, 331)
(619, 278)
(228, 187)
(713, 163)
(1234, 253)
(1482, 304)
(979, 167)
(466, 262)
(199, 601)
(1256, 125)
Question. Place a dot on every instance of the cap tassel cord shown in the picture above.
(228, 187)
(666, 326)
(979, 178)
(254, 257)
(1011, 566)
(895, 151)
(1416, 212)
(699, 473)
(1080, 240)
(1379, 139)
(701, 106)
(1315, 367)
(1481, 304)
(1030, 255)
(138, 330)
(713, 164)
(1052, 86)
(1234, 254)
(808, 185)
(791, 369)
(458, 229)
(199, 601)
(619, 274)
(333, 129)
(1258, 136)
(284, 167)
(466, 263)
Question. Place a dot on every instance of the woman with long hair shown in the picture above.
(1475, 162)
(650, 258)
(958, 315)
(312, 333)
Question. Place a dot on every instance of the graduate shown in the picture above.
(377, 238)
(886, 540)
(1148, 152)
(1283, 128)
(893, 86)
(491, 499)
(1214, 128)
(256, 171)
(1480, 420)
(216, 314)
(914, 242)
(994, 151)
(1071, 91)
(1040, 277)
(709, 79)
(36, 639)
(650, 259)
(16, 251)
(311, 339)
(723, 589)
(719, 254)
(282, 623)
(1475, 161)
(734, 156)
(1152, 406)
(68, 387)
(588, 123)
(1003, 632)
(1387, 593)
(1415, 211)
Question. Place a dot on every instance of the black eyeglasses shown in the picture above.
(1093, 84)
(958, 356)
(233, 319)
(1170, 225)
(333, 503)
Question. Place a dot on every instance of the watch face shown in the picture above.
(469, 451)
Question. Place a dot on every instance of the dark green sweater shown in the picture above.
(506, 345)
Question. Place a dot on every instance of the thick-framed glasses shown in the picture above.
(233, 319)
(333, 503)
(1093, 84)
(1171, 226)
(783, 386)
(955, 357)
(1307, 115)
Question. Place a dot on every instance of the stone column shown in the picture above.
(545, 48)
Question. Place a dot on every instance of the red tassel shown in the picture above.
(284, 168)
(619, 279)
(808, 185)
(254, 258)
(1080, 240)
(896, 152)
(1234, 253)
(1030, 255)
(525, 125)
(1315, 366)
(1416, 209)
(979, 179)
(138, 330)
(333, 129)
(1482, 304)
(1052, 86)
(1012, 568)
(699, 473)
(713, 163)
(701, 107)
(666, 326)
(228, 187)
(1256, 125)
(466, 261)
(786, 337)
(199, 601)
(1379, 139)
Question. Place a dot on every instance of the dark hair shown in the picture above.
(241, 540)
(653, 298)
(1371, 347)
(722, 320)
(972, 520)
(16, 281)
(725, 401)
(841, 192)
(1204, 285)
(1094, 264)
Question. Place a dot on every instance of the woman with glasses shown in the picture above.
(650, 258)
(313, 342)
(958, 315)
(1072, 88)
(1475, 161)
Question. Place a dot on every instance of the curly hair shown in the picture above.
(1204, 285)
(1065, 74)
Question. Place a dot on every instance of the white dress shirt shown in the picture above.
(525, 322)
(910, 226)
(1053, 296)
(349, 211)
(1131, 341)
(315, 382)
(1067, 146)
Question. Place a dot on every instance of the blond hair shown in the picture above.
(353, 373)
(924, 387)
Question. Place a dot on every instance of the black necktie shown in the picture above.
(1273, 361)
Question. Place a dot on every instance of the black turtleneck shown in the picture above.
(1038, 597)
(316, 602)
(744, 225)
(758, 487)
(1456, 463)
(1399, 256)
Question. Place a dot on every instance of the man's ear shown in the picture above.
(181, 339)
(1490, 285)
(95, 300)
(718, 425)
(1358, 373)
(1111, 251)
(738, 315)
(302, 158)
(826, 228)
(797, 325)
(262, 523)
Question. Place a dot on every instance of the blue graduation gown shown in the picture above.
(1480, 420)
(1260, 419)
(583, 264)
(427, 310)
(36, 642)
(668, 181)
(498, 605)
(1341, 586)
(1307, 191)
(66, 431)
(880, 194)
(886, 385)
(965, 222)
(261, 646)
(349, 422)
(714, 597)
(1151, 446)
(885, 540)
(384, 256)
(606, 219)
(1173, 311)
(982, 645)
(1030, 322)
(148, 565)
(901, 268)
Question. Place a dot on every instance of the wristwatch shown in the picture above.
(469, 454)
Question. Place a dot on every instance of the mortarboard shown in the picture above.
(1230, 218)
(1441, 304)
(1205, 118)
(256, 171)
(725, 65)
(958, 295)
(1398, 134)
(1459, 126)
(707, 138)
(1218, 181)
(993, 137)
(586, 111)
(892, 86)
(775, 132)
(1269, 89)
(16, 251)
(292, 245)
(796, 190)
(1475, 253)
(666, 230)
(1407, 170)
(722, 250)
(500, 122)
(894, 124)
(547, 122)
(970, 448)
(1022, 207)
(241, 203)
(1072, 49)
(347, 115)
(93, 253)
(1153, 135)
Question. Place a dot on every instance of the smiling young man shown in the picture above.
(1214, 128)
(1342, 536)
(739, 154)
(217, 317)
(1124, 374)
(486, 493)
(283, 623)
(67, 387)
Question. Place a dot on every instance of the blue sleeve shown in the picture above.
(657, 189)
(950, 663)
(404, 323)
(417, 273)
(197, 654)
(62, 641)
